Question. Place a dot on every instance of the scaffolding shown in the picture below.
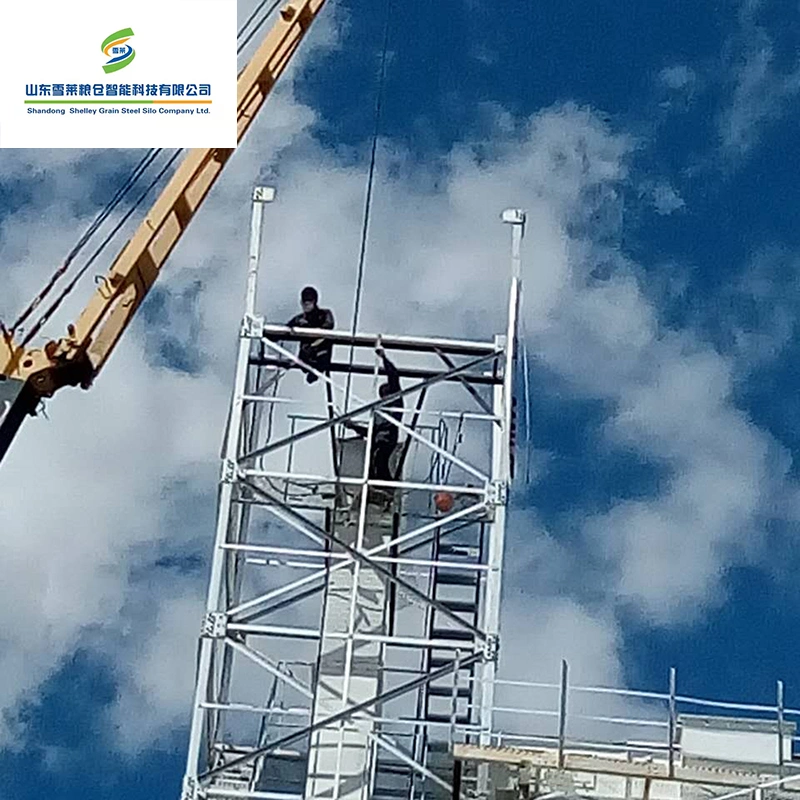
(562, 740)
(351, 628)
(350, 638)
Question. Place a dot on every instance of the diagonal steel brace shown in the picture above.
(365, 559)
(385, 697)
(374, 405)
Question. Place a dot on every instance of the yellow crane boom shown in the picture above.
(29, 374)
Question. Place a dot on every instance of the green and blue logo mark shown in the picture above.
(121, 54)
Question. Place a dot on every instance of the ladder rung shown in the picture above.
(441, 661)
(456, 578)
(456, 549)
(447, 691)
(453, 634)
(392, 768)
(461, 719)
(461, 606)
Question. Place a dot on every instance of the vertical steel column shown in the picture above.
(351, 623)
(563, 692)
(780, 728)
(500, 476)
(673, 719)
(215, 602)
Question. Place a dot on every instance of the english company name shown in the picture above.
(120, 110)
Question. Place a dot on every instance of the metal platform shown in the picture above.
(605, 743)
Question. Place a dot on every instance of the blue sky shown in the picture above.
(658, 140)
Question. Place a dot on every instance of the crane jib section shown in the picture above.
(34, 373)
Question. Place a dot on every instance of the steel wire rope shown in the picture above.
(368, 198)
(271, 413)
(458, 440)
(144, 163)
(255, 30)
(82, 271)
(435, 470)
(130, 181)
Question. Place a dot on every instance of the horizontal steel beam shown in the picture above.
(325, 480)
(366, 369)
(251, 795)
(375, 405)
(300, 523)
(328, 555)
(279, 711)
(419, 344)
(392, 641)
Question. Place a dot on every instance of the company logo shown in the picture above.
(120, 53)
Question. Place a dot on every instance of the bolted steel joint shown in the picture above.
(215, 625)
(191, 789)
(498, 493)
(252, 327)
(491, 647)
(229, 471)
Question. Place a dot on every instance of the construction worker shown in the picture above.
(384, 433)
(316, 354)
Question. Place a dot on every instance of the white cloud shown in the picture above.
(760, 309)
(759, 91)
(485, 55)
(677, 76)
(589, 642)
(722, 473)
(666, 200)
(674, 407)
(534, 645)
(83, 497)
(158, 675)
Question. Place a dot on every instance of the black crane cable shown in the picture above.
(82, 271)
(368, 198)
(131, 180)
(144, 164)
(255, 30)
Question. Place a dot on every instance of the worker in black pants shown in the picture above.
(316, 354)
(385, 434)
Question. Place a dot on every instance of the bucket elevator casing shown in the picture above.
(336, 757)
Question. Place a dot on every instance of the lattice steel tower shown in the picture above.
(351, 629)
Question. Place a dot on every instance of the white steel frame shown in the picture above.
(236, 613)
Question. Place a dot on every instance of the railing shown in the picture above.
(642, 723)
(608, 718)
(569, 720)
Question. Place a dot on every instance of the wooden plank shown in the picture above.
(605, 765)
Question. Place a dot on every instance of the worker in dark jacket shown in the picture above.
(317, 353)
(384, 433)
